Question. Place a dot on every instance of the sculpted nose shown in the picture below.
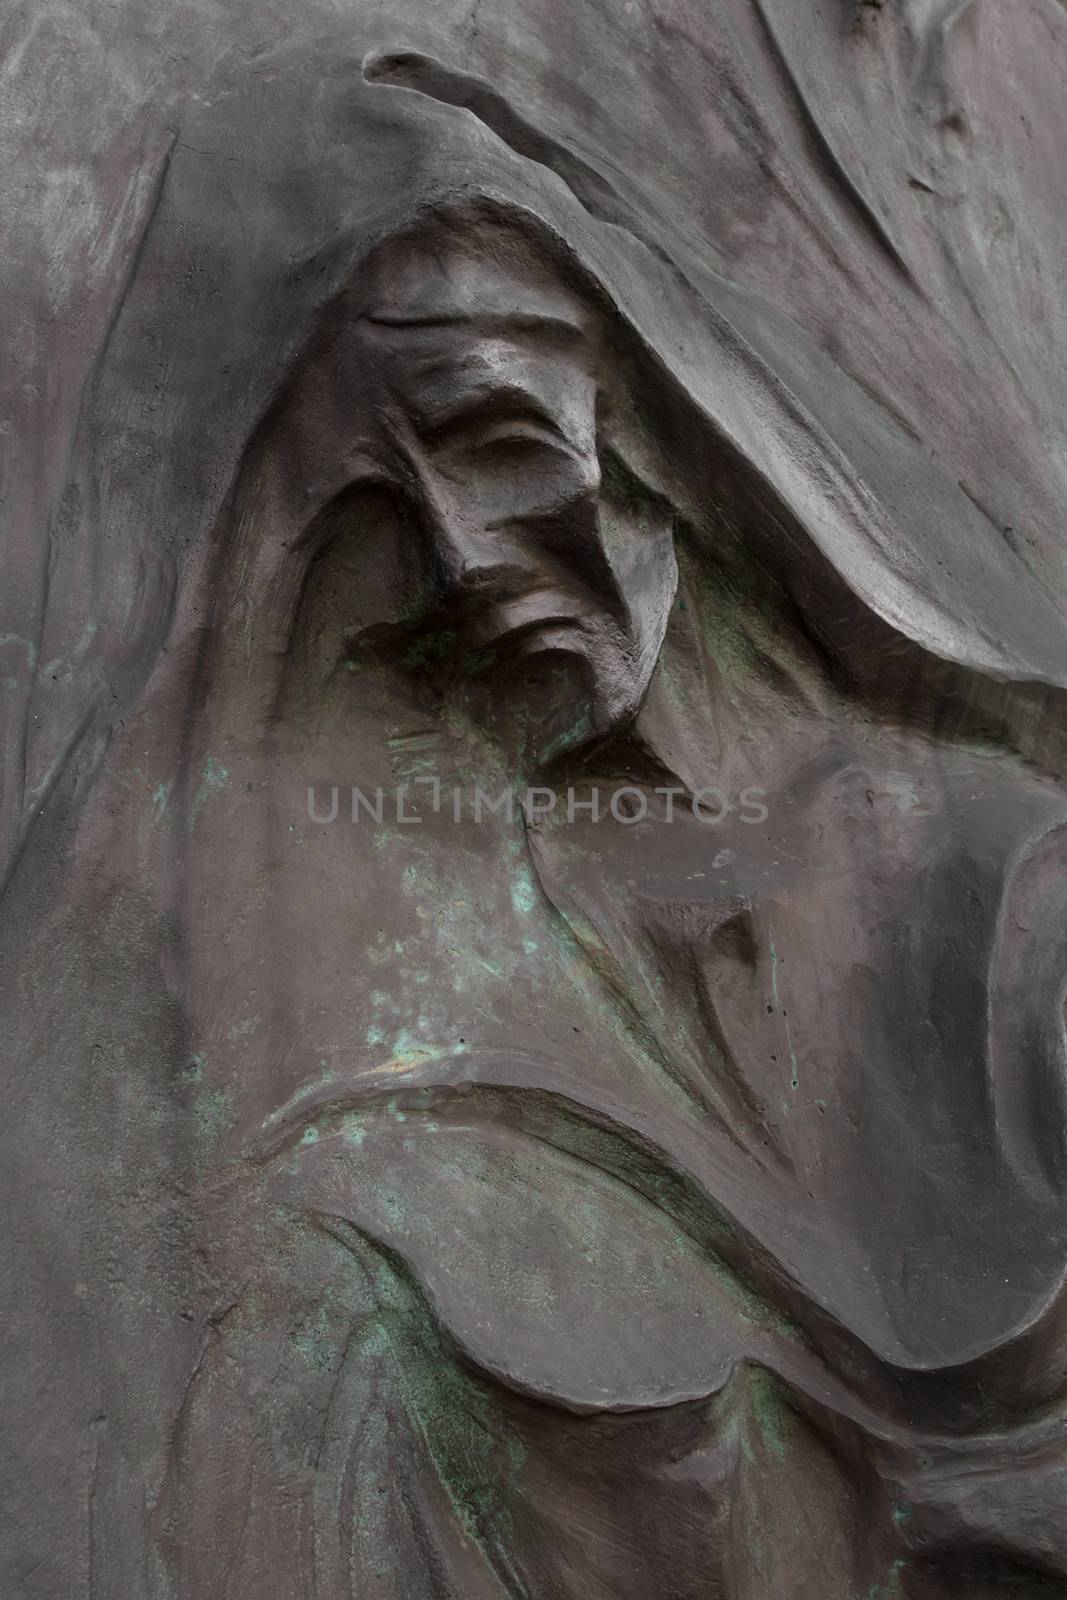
(471, 561)
(467, 558)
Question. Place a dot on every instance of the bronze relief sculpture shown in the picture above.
(543, 893)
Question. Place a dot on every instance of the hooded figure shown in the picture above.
(543, 1197)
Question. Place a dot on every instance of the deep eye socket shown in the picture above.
(513, 456)
(516, 429)
(515, 444)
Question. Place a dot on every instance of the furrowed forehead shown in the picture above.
(493, 281)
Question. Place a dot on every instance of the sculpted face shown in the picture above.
(487, 392)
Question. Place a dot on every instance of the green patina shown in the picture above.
(194, 1071)
(772, 1415)
(26, 645)
(570, 738)
(243, 1029)
(426, 649)
(214, 780)
(315, 1338)
(214, 1113)
(725, 617)
(890, 1589)
(523, 889)
(465, 1442)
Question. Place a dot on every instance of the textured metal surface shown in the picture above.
(608, 1137)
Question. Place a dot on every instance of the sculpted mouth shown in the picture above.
(523, 621)
(479, 633)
